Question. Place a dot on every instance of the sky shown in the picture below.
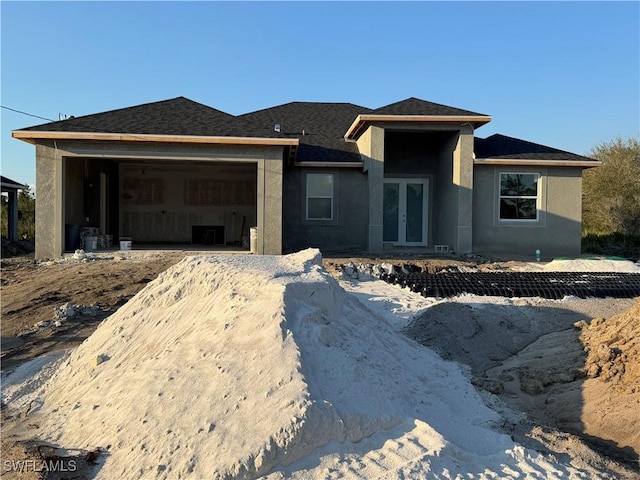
(563, 74)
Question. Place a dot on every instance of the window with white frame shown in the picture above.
(319, 205)
(519, 194)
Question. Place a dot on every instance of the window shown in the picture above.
(319, 196)
(519, 196)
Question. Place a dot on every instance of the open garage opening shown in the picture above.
(160, 203)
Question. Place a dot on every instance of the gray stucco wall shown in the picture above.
(445, 201)
(371, 147)
(413, 152)
(348, 231)
(270, 205)
(49, 208)
(454, 199)
(463, 181)
(556, 233)
(51, 188)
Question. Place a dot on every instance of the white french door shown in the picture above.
(405, 211)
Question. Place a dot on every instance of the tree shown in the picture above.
(26, 215)
(611, 192)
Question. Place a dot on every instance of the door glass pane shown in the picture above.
(415, 197)
(391, 204)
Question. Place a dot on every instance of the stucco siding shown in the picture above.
(445, 202)
(557, 232)
(348, 230)
(270, 202)
(371, 146)
(415, 153)
(49, 210)
(364, 147)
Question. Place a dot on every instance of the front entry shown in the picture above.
(405, 211)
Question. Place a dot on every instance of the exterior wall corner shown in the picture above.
(371, 145)
(49, 205)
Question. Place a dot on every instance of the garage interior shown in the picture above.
(161, 203)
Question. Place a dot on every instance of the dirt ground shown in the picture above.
(531, 356)
(31, 291)
(96, 286)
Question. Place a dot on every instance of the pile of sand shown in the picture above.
(528, 352)
(613, 350)
(240, 366)
(592, 264)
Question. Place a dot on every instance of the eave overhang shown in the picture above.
(536, 163)
(33, 136)
(329, 164)
(10, 186)
(362, 122)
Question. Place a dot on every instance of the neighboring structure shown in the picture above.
(337, 176)
(11, 188)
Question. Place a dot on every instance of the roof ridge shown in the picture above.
(89, 116)
(302, 102)
(433, 107)
(181, 97)
(157, 102)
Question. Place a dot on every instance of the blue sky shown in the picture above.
(562, 74)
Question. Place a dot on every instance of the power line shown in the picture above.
(28, 114)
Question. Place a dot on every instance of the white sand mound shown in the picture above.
(592, 264)
(241, 366)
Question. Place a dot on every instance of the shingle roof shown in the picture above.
(415, 106)
(318, 126)
(324, 124)
(499, 146)
(177, 116)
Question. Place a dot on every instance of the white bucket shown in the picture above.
(125, 243)
(90, 243)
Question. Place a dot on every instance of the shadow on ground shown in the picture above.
(531, 357)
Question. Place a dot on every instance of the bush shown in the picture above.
(612, 244)
(611, 192)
